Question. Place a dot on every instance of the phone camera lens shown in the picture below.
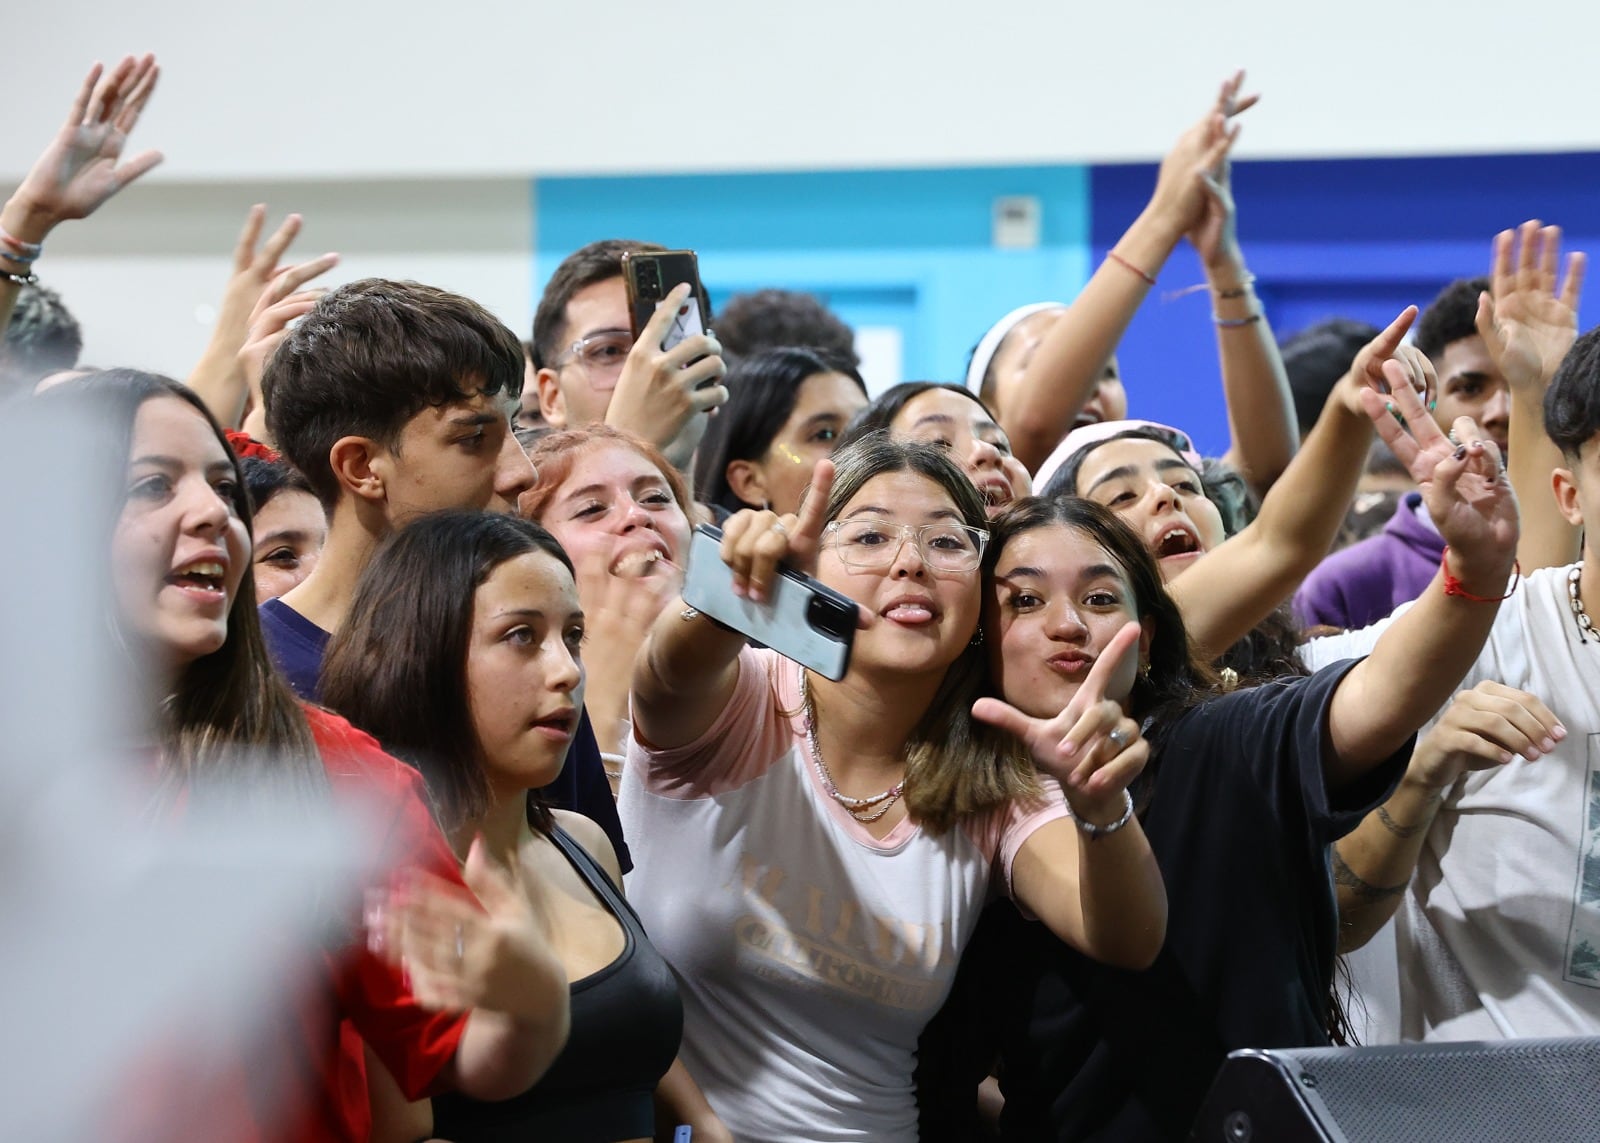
(650, 279)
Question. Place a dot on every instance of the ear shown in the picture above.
(358, 464)
(748, 482)
(1566, 490)
(551, 402)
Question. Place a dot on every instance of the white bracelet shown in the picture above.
(1095, 832)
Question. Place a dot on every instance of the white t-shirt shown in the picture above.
(1499, 934)
(810, 955)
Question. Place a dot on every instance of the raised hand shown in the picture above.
(659, 391)
(1368, 370)
(1091, 748)
(1526, 322)
(1187, 181)
(755, 542)
(82, 167)
(1481, 729)
(1464, 485)
(459, 954)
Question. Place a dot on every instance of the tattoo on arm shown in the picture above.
(1364, 890)
(1401, 831)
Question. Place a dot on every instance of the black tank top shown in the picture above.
(627, 1020)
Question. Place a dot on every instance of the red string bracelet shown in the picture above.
(1121, 261)
(1452, 585)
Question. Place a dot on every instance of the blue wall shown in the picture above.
(912, 248)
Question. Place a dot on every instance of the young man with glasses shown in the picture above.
(590, 368)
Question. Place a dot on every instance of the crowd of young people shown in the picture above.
(1109, 705)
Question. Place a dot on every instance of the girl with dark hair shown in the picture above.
(813, 854)
(956, 421)
(786, 410)
(1241, 799)
(289, 526)
(486, 1015)
(461, 655)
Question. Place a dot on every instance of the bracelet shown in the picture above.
(1235, 323)
(1452, 585)
(21, 247)
(11, 255)
(1095, 832)
(690, 614)
(1238, 291)
(19, 279)
(1113, 256)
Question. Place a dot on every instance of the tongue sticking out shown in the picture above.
(909, 613)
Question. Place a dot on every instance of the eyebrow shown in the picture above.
(877, 510)
(1468, 375)
(1092, 572)
(471, 420)
(158, 460)
(282, 535)
(1126, 470)
(603, 332)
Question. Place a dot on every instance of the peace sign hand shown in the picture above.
(79, 170)
(755, 542)
(1092, 748)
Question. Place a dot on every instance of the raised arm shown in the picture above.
(219, 378)
(1261, 421)
(1481, 729)
(1064, 369)
(1095, 884)
(1239, 584)
(1527, 325)
(688, 668)
(78, 171)
(1420, 660)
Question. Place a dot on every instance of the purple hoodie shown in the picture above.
(1368, 580)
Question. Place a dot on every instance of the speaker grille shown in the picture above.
(1542, 1090)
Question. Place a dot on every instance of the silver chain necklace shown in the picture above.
(1585, 624)
(862, 809)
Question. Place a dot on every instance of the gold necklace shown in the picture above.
(864, 810)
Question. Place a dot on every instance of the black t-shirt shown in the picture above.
(1240, 822)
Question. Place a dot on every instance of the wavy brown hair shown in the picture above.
(555, 453)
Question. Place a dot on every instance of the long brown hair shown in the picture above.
(229, 716)
(956, 766)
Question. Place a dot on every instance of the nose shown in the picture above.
(515, 474)
(1498, 411)
(634, 515)
(206, 510)
(1162, 495)
(908, 562)
(566, 672)
(1063, 622)
(982, 455)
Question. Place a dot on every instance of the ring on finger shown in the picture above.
(777, 526)
(1120, 737)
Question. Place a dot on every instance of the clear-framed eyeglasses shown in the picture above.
(869, 545)
(602, 356)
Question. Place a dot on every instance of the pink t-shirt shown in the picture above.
(810, 953)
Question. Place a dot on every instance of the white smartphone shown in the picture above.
(802, 619)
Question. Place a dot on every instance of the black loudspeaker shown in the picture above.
(1542, 1091)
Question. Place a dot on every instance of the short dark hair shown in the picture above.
(597, 262)
(1316, 358)
(772, 319)
(1572, 403)
(397, 666)
(265, 479)
(1450, 317)
(41, 338)
(369, 357)
(762, 392)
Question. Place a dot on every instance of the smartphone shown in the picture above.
(684, 1134)
(802, 619)
(650, 277)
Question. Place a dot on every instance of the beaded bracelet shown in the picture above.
(1239, 291)
(19, 279)
(1095, 832)
(1453, 586)
(1235, 323)
(1113, 256)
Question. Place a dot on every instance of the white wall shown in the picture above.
(144, 277)
(300, 89)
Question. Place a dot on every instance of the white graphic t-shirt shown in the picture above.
(810, 955)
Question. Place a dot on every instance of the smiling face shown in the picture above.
(524, 674)
(616, 505)
(1156, 494)
(179, 549)
(1058, 598)
(958, 424)
(290, 530)
(918, 619)
(822, 408)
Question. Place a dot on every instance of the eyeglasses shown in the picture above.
(867, 545)
(602, 356)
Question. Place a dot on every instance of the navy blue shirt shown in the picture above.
(298, 645)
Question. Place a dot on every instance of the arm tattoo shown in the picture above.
(1367, 892)
(1400, 831)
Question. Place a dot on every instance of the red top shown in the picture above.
(303, 1077)
(243, 445)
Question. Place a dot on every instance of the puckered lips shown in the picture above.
(1071, 663)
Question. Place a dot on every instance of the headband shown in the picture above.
(1090, 435)
(990, 344)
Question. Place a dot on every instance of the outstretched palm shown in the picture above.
(1527, 323)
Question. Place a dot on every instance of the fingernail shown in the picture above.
(1433, 404)
(1559, 733)
(1461, 452)
(1069, 749)
(1548, 745)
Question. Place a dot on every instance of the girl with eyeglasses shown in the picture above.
(812, 855)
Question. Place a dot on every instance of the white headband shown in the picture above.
(984, 354)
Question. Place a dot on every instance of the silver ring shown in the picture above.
(777, 526)
(1121, 737)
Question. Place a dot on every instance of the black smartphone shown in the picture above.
(649, 277)
(802, 619)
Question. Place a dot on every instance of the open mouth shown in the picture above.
(641, 563)
(996, 493)
(912, 612)
(557, 725)
(206, 576)
(1176, 541)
